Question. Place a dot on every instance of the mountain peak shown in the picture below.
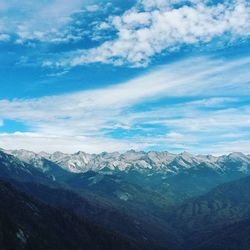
(238, 156)
(160, 161)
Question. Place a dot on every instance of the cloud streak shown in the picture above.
(108, 119)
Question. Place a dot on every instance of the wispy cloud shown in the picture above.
(40, 142)
(4, 37)
(89, 120)
(193, 77)
(43, 21)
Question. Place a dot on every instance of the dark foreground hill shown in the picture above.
(28, 224)
(232, 237)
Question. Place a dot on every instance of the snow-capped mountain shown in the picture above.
(29, 157)
(158, 161)
(13, 168)
(40, 162)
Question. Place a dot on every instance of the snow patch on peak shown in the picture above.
(237, 156)
(44, 154)
(158, 161)
(23, 155)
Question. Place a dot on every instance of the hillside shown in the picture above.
(28, 224)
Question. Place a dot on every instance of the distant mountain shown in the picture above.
(13, 168)
(40, 163)
(28, 224)
(158, 161)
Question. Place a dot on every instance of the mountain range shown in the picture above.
(158, 161)
(148, 200)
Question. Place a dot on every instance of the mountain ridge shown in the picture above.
(81, 162)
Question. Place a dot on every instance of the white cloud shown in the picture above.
(40, 142)
(4, 37)
(83, 119)
(229, 147)
(152, 4)
(192, 77)
(103, 26)
(194, 120)
(38, 20)
(92, 8)
(153, 27)
(149, 28)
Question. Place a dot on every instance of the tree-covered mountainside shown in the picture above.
(197, 207)
(28, 224)
(148, 230)
(205, 221)
(231, 237)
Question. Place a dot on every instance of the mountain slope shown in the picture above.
(232, 237)
(28, 224)
(148, 230)
(207, 221)
(40, 163)
(13, 168)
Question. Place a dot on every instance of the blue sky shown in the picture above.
(111, 76)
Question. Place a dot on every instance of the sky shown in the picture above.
(95, 76)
